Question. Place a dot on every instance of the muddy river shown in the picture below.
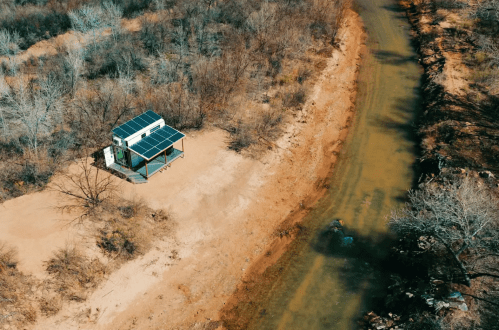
(319, 286)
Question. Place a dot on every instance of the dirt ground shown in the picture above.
(227, 206)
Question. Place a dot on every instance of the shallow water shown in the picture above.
(320, 286)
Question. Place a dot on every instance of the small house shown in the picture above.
(143, 146)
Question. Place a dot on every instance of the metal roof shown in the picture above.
(136, 124)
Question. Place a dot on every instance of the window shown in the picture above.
(143, 136)
(154, 128)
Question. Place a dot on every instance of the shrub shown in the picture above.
(156, 36)
(15, 291)
(294, 99)
(241, 137)
(34, 26)
(112, 56)
(132, 8)
(73, 273)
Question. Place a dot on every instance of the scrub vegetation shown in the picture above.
(123, 230)
(444, 270)
(237, 65)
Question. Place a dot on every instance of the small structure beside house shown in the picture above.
(143, 146)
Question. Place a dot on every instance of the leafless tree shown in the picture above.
(177, 106)
(461, 217)
(75, 62)
(92, 18)
(34, 107)
(86, 187)
(9, 42)
(96, 112)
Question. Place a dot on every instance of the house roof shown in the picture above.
(156, 142)
(136, 124)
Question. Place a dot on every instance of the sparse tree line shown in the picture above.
(239, 65)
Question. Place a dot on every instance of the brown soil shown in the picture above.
(230, 211)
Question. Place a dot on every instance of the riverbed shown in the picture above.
(316, 284)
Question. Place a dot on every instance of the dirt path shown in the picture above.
(227, 208)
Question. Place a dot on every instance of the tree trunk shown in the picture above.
(455, 256)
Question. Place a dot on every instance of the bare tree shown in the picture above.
(9, 42)
(75, 62)
(87, 187)
(461, 217)
(92, 18)
(96, 112)
(34, 108)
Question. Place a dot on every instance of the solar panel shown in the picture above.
(169, 130)
(145, 144)
(177, 136)
(157, 142)
(156, 138)
(140, 121)
(165, 144)
(127, 129)
(136, 127)
(118, 131)
(152, 152)
(153, 115)
(136, 124)
(138, 149)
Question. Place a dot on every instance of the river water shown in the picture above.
(320, 286)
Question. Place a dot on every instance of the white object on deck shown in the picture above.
(109, 156)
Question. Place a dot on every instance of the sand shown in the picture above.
(227, 207)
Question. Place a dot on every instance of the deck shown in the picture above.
(159, 163)
(132, 176)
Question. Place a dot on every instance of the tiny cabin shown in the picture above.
(144, 145)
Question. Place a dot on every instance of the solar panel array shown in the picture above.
(157, 142)
(136, 124)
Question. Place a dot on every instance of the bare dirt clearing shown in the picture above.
(227, 208)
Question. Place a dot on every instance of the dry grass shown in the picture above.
(130, 228)
(16, 296)
(73, 274)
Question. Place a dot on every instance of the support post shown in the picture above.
(182, 145)
(166, 159)
(147, 173)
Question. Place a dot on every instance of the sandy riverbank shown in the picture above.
(227, 207)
